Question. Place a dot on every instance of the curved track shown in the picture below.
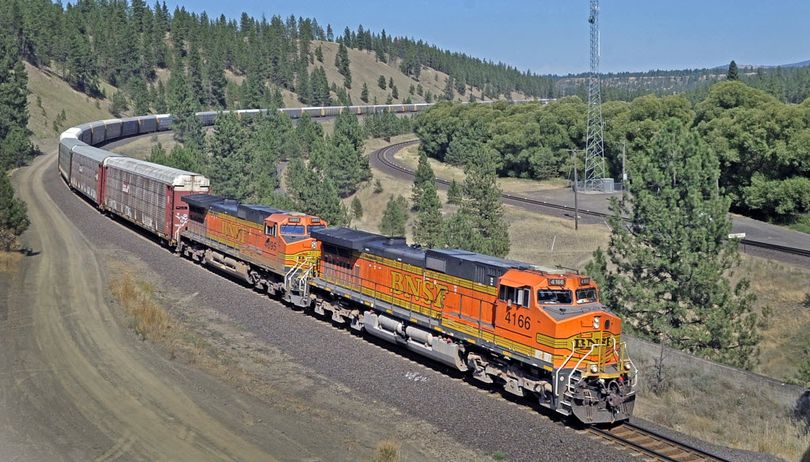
(383, 157)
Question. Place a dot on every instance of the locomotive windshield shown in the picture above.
(586, 295)
(292, 230)
(315, 228)
(554, 297)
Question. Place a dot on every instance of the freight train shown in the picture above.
(537, 332)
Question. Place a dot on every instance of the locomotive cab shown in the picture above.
(576, 337)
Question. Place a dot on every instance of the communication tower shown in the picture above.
(595, 171)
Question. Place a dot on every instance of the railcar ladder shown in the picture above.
(296, 283)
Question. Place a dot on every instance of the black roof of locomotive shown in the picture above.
(201, 200)
(397, 249)
(346, 238)
(252, 212)
(483, 269)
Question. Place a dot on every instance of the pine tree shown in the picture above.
(342, 64)
(423, 177)
(357, 208)
(479, 224)
(733, 72)
(119, 104)
(668, 274)
(364, 93)
(427, 230)
(183, 105)
(390, 82)
(195, 77)
(308, 133)
(314, 194)
(319, 54)
(160, 104)
(266, 140)
(394, 92)
(381, 82)
(215, 84)
(454, 193)
(320, 88)
(395, 216)
(229, 164)
(448, 89)
(13, 217)
(348, 128)
(140, 96)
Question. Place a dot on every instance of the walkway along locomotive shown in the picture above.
(538, 332)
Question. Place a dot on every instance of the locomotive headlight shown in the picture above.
(596, 322)
(627, 366)
(594, 369)
(313, 244)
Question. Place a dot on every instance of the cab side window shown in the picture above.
(517, 296)
(507, 293)
(270, 230)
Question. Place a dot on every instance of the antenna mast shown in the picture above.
(595, 169)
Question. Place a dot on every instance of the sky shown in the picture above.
(551, 37)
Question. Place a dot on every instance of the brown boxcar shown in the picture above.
(87, 171)
(149, 194)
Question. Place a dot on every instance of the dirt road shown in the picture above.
(76, 385)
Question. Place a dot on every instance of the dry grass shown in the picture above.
(387, 451)
(141, 148)
(717, 404)
(551, 241)
(147, 317)
(409, 157)
(783, 289)
(55, 96)
(365, 68)
(9, 261)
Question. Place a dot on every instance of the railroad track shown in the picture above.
(651, 445)
(381, 155)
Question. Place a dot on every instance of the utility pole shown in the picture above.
(624, 173)
(595, 169)
(576, 189)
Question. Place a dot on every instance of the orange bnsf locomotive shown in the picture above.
(537, 332)
(268, 248)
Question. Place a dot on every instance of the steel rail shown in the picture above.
(654, 445)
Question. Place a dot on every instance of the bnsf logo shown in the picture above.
(231, 230)
(586, 343)
(423, 291)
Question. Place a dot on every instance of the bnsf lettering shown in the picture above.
(423, 291)
(231, 230)
(583, 343)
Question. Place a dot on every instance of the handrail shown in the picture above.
(557, 373)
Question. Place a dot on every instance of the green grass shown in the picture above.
(801, 225)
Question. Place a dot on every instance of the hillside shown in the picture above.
(48, 96)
